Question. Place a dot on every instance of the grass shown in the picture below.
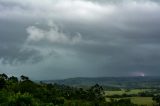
(136, 100)
(142, 100)
(134, 91)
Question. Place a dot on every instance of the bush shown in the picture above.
(3, 98)
(19, 99)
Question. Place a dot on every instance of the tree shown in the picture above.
(96, 94)
(28, 93)
(2, 83)
(13, 79)
(27, 86)
(4, 76)
(3, 98)
(58, 101)
(24, 78)
(156, 98)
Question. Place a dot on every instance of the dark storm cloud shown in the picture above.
(80, 37)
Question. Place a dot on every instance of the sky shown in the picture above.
(56, 39)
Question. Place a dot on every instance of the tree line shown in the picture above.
(24, 92)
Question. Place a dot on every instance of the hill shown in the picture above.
(119, 82)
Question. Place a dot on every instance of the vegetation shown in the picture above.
(24, 92)
(113, 83)
(142, 97)
(156, 98)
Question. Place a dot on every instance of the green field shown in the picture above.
(134, 91)
(139, 100)
(142, 100)
(136, 100)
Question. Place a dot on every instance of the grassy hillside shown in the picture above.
(138, 100)
(123, 91)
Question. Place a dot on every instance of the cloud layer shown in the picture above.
(69, 38)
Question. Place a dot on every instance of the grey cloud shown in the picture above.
(113, 38)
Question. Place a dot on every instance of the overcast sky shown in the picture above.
(54, 39)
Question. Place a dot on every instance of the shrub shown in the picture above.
(19, 99)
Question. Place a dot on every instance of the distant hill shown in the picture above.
(119, 82)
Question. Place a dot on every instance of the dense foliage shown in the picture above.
(24, 92)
